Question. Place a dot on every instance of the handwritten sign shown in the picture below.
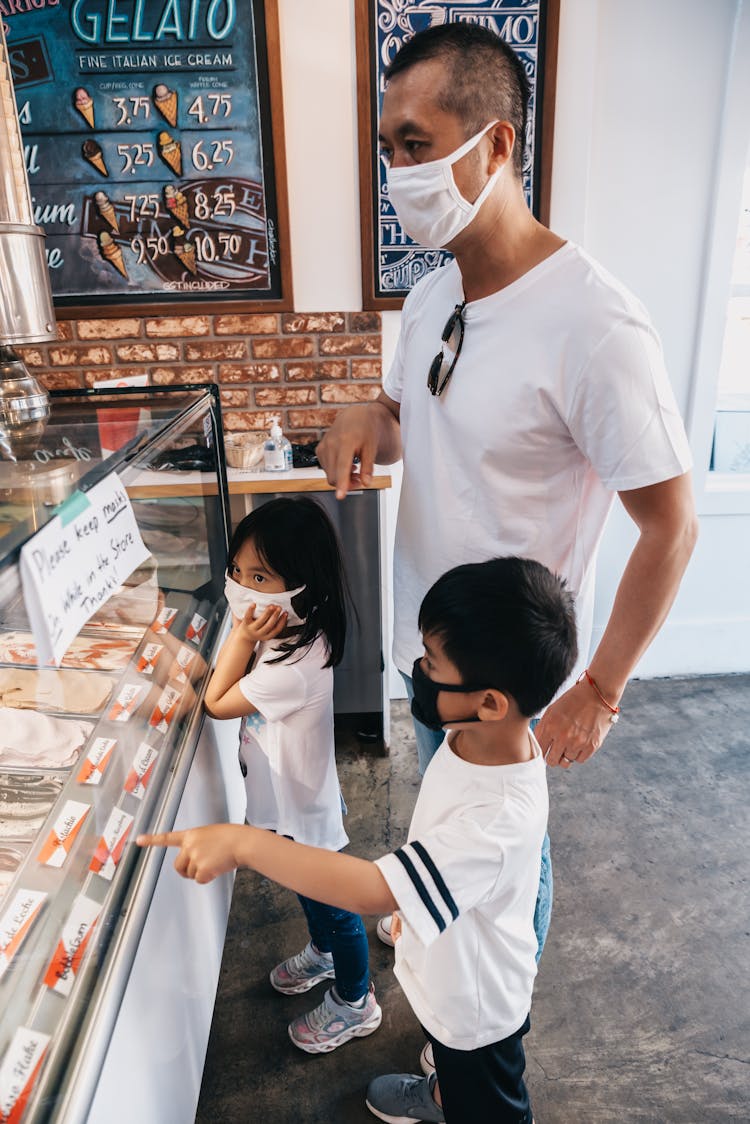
(76, 562)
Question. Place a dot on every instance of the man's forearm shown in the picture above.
(647, 589)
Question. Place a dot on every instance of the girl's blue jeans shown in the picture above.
(343, 935)
(428, 743)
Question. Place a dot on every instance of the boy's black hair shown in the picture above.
(485, 81)
(296, 539)
(508, 622)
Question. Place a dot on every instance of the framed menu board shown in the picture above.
(154, 147)
(391, 262)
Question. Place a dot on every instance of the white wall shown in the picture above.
(639, 160)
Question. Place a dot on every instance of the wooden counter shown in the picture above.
(156, 485)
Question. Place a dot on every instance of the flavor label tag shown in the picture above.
(165, 710)
(15, 923)
(18, 1072)
(112, 843)
(148, 657)
(183, 661)
(63, 834)
(96, 761)
(196, 628)
(126, 702)
(164, 620)
(141, 770)
(63, 967)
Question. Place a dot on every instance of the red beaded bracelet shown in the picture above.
(614, 711)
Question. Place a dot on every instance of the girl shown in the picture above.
(286, 589)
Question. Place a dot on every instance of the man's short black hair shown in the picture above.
(486, 80)
(509, 623)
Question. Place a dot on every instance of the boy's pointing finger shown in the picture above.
(165, 839)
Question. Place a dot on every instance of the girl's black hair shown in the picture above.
(295, 538)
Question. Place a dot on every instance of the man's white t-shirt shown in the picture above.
(559, 399)
(287, 747)
(466, 884)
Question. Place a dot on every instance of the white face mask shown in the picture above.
(240, 599)
(427, 202)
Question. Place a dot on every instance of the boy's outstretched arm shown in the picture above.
(325, 876)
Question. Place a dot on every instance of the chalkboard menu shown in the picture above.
(149, 133)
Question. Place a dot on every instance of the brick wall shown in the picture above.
(302, 366)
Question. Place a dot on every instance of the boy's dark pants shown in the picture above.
(484, 1086)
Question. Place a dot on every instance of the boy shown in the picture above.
(499, 639)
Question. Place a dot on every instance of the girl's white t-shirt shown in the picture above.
(287, 747)
(466, 884)
(559, 399)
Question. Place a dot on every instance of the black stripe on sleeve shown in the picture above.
(437, 877)
(420, 887)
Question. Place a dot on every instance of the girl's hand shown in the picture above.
(205, 852)
(270, 624)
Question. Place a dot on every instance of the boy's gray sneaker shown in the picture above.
(402, 1098)
(301, 972)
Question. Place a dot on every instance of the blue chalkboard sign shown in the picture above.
(149, 143)
(391, 262)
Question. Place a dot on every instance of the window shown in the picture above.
(731, 443)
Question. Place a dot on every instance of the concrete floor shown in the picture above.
(642, 1005)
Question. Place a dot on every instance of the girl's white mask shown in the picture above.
(240, 599)
(427, 202)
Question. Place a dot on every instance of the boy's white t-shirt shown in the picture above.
(466, 885)
(287, 747)
(559, 399)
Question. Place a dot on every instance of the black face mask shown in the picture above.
(424, 704)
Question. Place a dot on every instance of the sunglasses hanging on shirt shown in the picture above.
(435, 384)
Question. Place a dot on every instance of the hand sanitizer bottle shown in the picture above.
(277, 451)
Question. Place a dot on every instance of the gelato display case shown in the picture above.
(108, 961)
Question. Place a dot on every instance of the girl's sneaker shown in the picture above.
(333, 1022)
(301, 972)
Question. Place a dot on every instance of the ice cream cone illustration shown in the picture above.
(177, 204)
(165, 101)
(84, 103)
(106, 210)
(93, 153)
(183, 249)
(111, 252)
(170, 151)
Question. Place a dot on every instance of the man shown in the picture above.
(547, 396)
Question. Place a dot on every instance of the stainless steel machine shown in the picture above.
(26, 312)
